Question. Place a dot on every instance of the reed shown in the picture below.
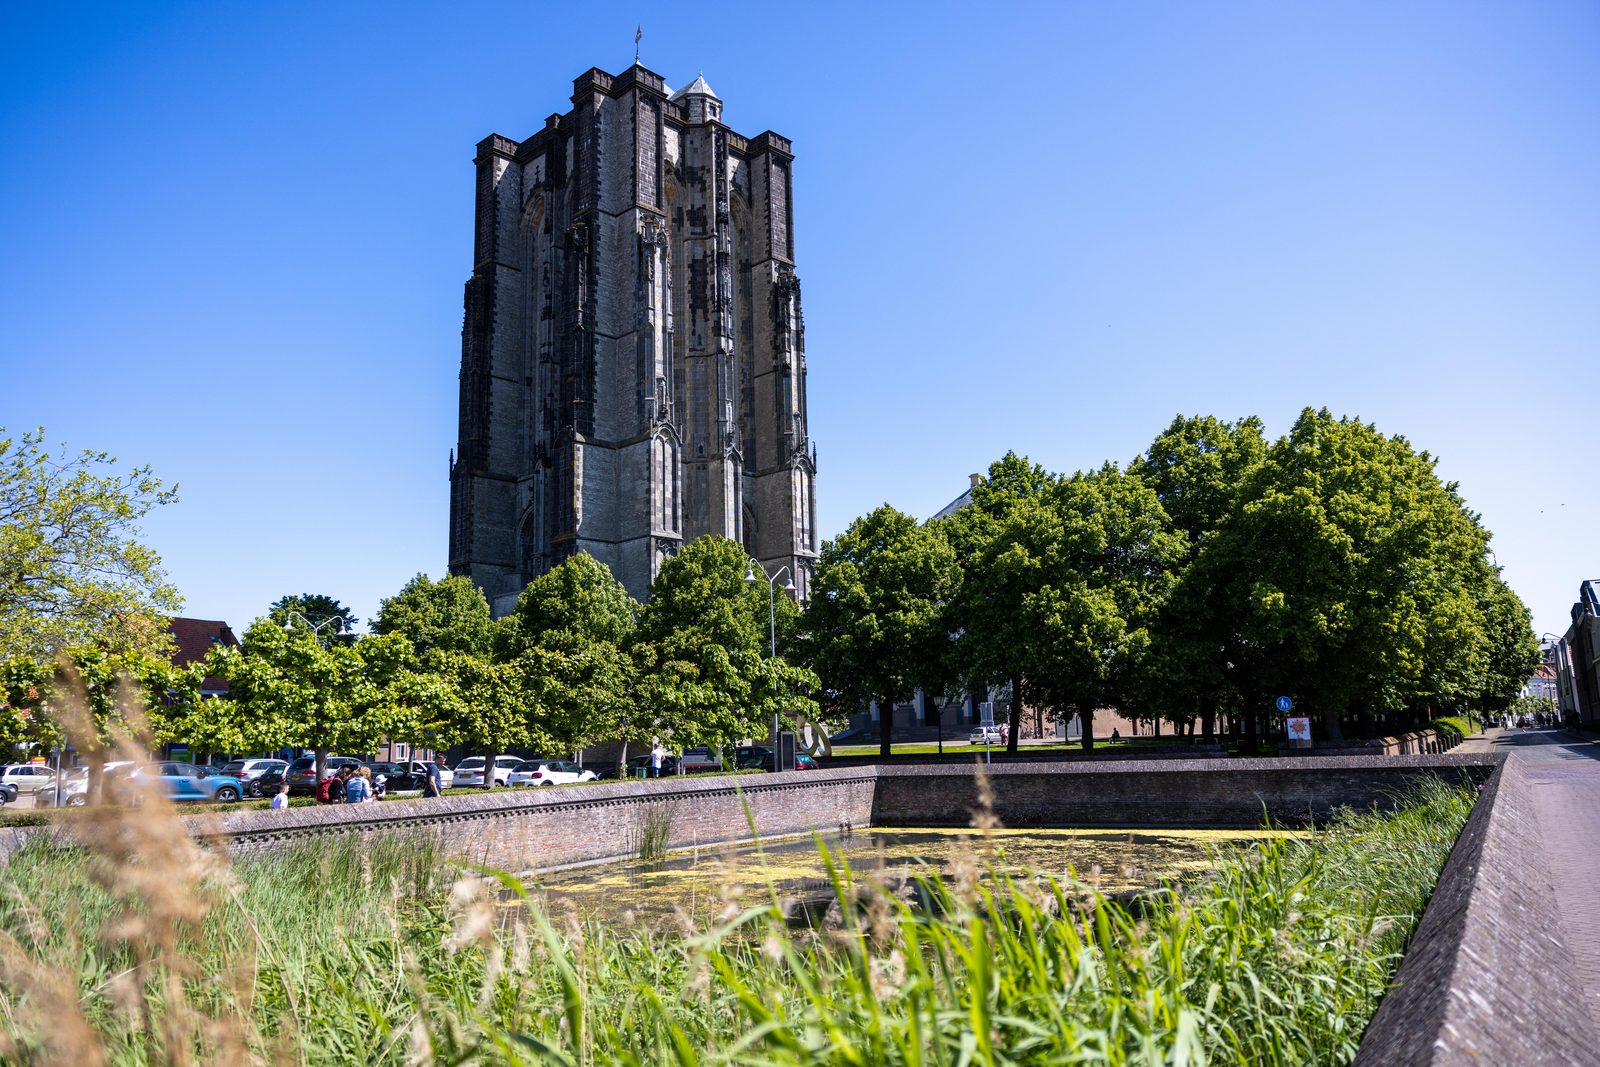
(138, 945)
(374, 951)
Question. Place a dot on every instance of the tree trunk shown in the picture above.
(1086, 718)
(1249, 743)
(322, 766)
(1015, 715)
(1208, 725)
(1330, 724)
(488, 769)
(885, 725)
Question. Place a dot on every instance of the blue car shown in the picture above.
(184, 781)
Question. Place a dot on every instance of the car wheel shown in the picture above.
(255, 788)
(227, 794)
(77, 800)
(546, 782)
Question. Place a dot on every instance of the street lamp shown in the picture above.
(772, 594)
(315, 627)
(751, 566)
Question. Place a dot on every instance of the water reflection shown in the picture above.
(702, 882)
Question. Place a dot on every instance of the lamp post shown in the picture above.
(314, 627)
(751, 566)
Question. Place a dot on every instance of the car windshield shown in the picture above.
(304, 763)
(236, 765)
(526, 767)
(470, 763)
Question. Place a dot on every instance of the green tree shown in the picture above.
(985, 614)
(1344, 578)
(1089, 564)
(332, 622)
(1510, 650)
(450, 615)
(302, 691)
(73, 571)
(487, 711)
(570, 643)
(877, 623)
(1195, 467)
(703, 650)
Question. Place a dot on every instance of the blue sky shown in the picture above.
(235, 236)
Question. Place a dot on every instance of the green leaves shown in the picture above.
(72, 569)
(703, 653)
(877, 626)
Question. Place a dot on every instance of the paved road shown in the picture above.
(1566, 771)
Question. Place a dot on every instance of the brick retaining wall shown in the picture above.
(1219, 794)
(562, 827)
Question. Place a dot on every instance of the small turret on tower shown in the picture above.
(702, 104)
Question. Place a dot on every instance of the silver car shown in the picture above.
(29, 778)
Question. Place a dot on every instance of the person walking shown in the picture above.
(656, 754)
(280, 800)
(337, 785)
(433, 784)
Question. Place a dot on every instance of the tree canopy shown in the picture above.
(877, 624)
(73, 571)
(448, 615)
(703, 651)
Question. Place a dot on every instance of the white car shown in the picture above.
(71, 790)
(549, 772)
(469, 772)
(986, 735)
(28, 777)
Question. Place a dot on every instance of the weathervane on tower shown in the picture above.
(638, 35)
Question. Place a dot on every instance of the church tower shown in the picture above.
(633, 367)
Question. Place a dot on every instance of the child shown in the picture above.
(281, 800)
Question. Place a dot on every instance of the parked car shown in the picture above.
(469, 772)
(28, 778)
(8, 793)
(549, 772)
(756, 758)
(302, 773)
(249, 772)
(71, 790)
(399, 776)
(181, 781)
(421, 767)
(698, 760)
(987, 735)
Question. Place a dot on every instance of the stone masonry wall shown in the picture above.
(561, 827)
(1171, 793)
(1486, 977)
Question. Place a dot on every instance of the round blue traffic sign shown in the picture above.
(1284, 703)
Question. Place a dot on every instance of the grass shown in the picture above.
(143, 947)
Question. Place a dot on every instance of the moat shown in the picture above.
(703, 882)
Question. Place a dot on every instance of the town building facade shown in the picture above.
(633, 370)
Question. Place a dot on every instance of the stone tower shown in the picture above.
(633, 355)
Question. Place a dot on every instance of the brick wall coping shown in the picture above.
(1236, 766)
